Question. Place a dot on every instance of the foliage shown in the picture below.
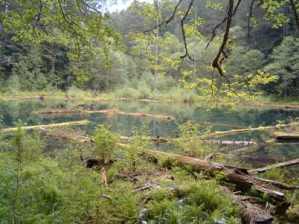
(198, 202)
(37, 189)
(105, 142)
(120, 207)
(284, 62)
(189, 140)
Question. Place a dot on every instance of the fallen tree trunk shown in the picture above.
(108, 112)
(274, 166)
(46, 126)
(230, 142)
(286, 137)
(159, 140)
(244, 130)
(238, 176)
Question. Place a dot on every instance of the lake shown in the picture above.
(210, 118)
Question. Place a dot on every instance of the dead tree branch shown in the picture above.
(221, 55)
(167, 21)
(184, 32)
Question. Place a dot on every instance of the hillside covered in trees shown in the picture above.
(149, 111)
(63, 44)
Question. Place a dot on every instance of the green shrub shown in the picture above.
(105, 142)
(197, 202)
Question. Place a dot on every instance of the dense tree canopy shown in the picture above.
(55, 44)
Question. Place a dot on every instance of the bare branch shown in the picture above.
(214, 31)
(165, 22)
(184, 33)
(221, 55)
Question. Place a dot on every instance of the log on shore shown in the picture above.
(274, 166)
(244, 130)
(46, 126)
(243, 180)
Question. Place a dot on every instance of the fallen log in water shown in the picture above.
(159, 140)
(286, 137)
(276, 165)
(21, 98)
(244, 130)
(46, 126)
(108, 112)
(230, 142)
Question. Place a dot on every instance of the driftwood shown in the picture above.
(108, 112)
(244, 130)
(46, 126)
(274, 166)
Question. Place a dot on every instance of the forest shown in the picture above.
(149, 111)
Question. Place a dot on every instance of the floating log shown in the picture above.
(274, 166)
(46, 126)
(230, 142)
(286, 137)
(24, 98)
(244, 130)
(58, 111)
(159, 140)
(108, 112)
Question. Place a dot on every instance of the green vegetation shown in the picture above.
(189, 68)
